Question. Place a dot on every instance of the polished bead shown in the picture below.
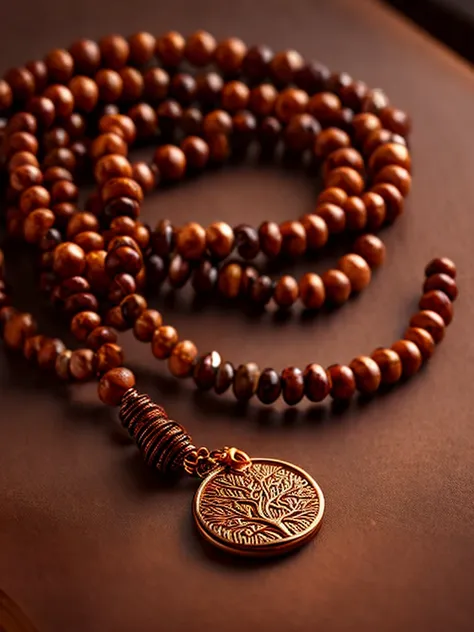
(262, 99)
(289, 103)
(422, 339)
(337, 286)
(132, 307)
(317, 383)
(141, 48)
(209, 88)
(271, 238)
(261, 290)
(256, 62)
(196, 152)
(37, 225)
(224, 377)
(205, 370)
(48, 353)
(145, 325)
(286, 291)
(409, 355)
(301, 132)
(366, 373)
(312, 291)
(99, 336)
(329, 140)
(33, 198)
(199, 48)
(170, 161)
(317, 232)
(347, 179)
(395, 120)
(431, 321)
(31, 346)
(217, 122)
(324, 106)
(393, 199)
(62, 364)
(83, 323)
(235, 96)
(269, 386)
(182, 358)
(375, 209)
(333, 216)
(69, 260)
(292, 383)
(246, 241)
(389, 363)
(356, 213)
(357, 271)
(179, 271)
(246, 381)
(220, 239)
(285, 65)
(342, 381)
(370, 248)
(294, 238)
(17, 329)
(441, 265)
(191, 241)
(204, 277)
(114, 384)
(229, 280)
(163, 342)
(390, 154)
(82, 365)
(229, 55)
(399, 177)
(312, 77)
(438, 302)
(442, 282)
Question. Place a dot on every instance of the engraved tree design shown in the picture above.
(262, 504)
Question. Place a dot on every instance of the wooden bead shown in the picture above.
(409, 355)
(82, 365)
(61, 366)
(395, 120)
(121, 187)
(25, 176)
(33, 198)
(109, 84)
(108, 356)
(22, 83)
(17, 329)
(438, 302)
(85, 93)
(396, 175)
(292, 383)
(179, 271)
(156, 84)
(370, 248)
(311, 290)
(191, 241)
(182, 359)
(345, 157)
(217, 122)
(301, 131)
(285, 65)
(317, 232)
(6, 96)
(256, 62)
(269, 386)
(390, 154)
(229, 55)
(366, 373)
(164, 340)
(31, 346)
(69, 260)
(235, 96)
(286, 291)
(316, 383)
(199, 48)
(262, 99)
(114, 51)
(246, 241)
(220, 239)
(379, 138)
(294, 238)
(356, 213)
(141, 48)
(145, 119)
(83, 323)
(224, 377)
(330, 140)
(442, 282)
(170, 161)
(246, 381)
(289, 103)
(347, 179)
(229, 280)
(145, 176)
(422, 339)
(342, 381)
(337, 286)
(146, 324)
(333, 216)
(271, 239)
(86, 55)
(196, 152)
(133, 84)
(105, 144)
(441, 265)
(114, 384)
(170, 48)
(431, 321)
(37, 224)
(123, 259)
(324, 106)
(357, 271)
(205, 370)
(375, 208)
(132, 307)
(389, 363)
(393, 200)
(99, 336)
(48, 353)
(261, 290)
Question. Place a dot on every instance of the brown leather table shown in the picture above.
(90, 540)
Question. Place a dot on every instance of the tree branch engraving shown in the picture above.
(265, 503)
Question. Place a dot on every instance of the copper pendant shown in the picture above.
(267, 507)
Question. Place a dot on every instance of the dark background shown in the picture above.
(89, 540)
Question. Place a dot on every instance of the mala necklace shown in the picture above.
(76, 114)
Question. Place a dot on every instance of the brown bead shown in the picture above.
(261, 290)
(33, 198)
(246, 241)
(312, 292)
(389, 363)
(375, 101)
(112, 166)
(69, 260)
(6, 96)
(170, 161)
(163, 238)
(123, 259)
(113, 318)
(146, 324)
(396, 175)
(109, 84)
(95, 270)
(31, 346)
(224, 377)
(256, 62)
(22, 83)
(269, 386)
(164, 340)
(60, 157)
(191, 122)
(61, 366)
(246, 381)
(133, 84)
(286, 291)
(347, 179)
(262, 99)
(156, 84)
(220, 239)
(356, 213)
(37, 224)
(7, 312)
(132, 307)
(357, 271)
(217, 122)
(285, 66)
(114, 384)
(409, 355)
(182, 359)
(289, 103)
(366, 373)
(317, 232)
(230, 54)
(422, 339)
(317, 383)
(48, 353)
(441, 265)
(141, 48)
(431, 321)
(344, 157)
(375, 208)
(204, 277)
(82, 365)
(179, 271)
(271, 239)
(390, 154)
(337, 286)
(443, 282)
(107, 144)
(191, 241)
(329, 140)
(438, 302)
(379, 138)
(333, 216)
(114, 51)
(196, 152)
(294, 238)
(109, 356)
(324, 106)
(100, 336)
(209, 87)
(17, 329)
(145, 120)
(301, 132)
(43, 111)
(121, 187)
(200, 47)
(81, 302)
(269, 133)
(229, 280)
(395, 120)
(144, 176)
(85, 93)
(370, 248)
(235, 96)
(64, 191)
(86, 55)
(205, 370)
(219, 148)
(83, 323)
(21, 142)
(292, 383)
(363, 125)
(22, 158)
(170, 48)
(342, 381)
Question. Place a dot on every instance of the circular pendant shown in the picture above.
(269, 508)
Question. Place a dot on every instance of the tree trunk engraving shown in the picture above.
(263, 504)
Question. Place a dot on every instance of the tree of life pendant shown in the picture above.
(265, 507)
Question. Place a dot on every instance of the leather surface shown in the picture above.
(90, 540)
